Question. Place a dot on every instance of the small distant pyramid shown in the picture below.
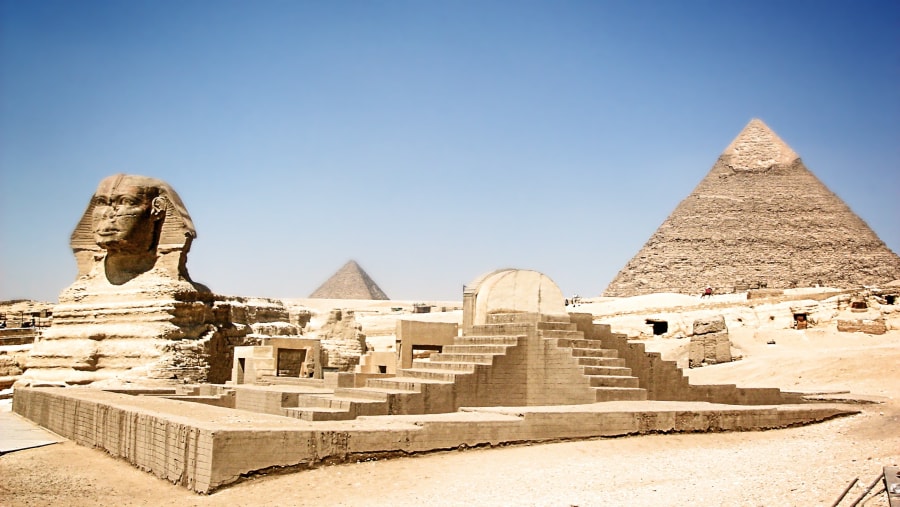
(759, 218)
(350, 282)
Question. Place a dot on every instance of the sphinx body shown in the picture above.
(133, 311)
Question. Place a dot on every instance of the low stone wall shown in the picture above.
(214, 446)
(870, 326)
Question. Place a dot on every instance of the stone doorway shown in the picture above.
(660, 327)
(290, 362)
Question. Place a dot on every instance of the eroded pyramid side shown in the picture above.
(758, 218)
(350, 282)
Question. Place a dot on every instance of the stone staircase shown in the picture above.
(451, 379)
(609, 378)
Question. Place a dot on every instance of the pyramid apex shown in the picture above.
(349, 282)
(758, 147)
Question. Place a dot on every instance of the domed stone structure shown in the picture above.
(511, 291)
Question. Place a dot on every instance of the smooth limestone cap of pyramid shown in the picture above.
(758, 147)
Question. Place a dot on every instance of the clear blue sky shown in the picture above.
(430, 141)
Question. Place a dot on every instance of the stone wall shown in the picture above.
(208, 447)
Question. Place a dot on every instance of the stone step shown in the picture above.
(443, 365)
(591, 352)
(555, 318)
(607, 370)
(557, 333)
(580, 343)
(488, 340)
(620, 393)
(432, 374)
(600, 361)
(556, 326)
(362, 393)
(464, 358)
(320, 401)
(613, 381)
(501, 329)
(512, 318)
(476, 349)
(318, 414)
(294, 381)
(402, 383)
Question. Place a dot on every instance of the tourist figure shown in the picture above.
(706, 292)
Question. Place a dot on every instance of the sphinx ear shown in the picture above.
(158, 207)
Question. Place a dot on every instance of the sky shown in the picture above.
(430, 141)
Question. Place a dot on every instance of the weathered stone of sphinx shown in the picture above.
(343, 341)
(133, 311)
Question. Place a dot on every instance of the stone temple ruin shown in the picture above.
(522, 370)
(759, 219)
(202, 389)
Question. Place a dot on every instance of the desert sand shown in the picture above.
(795, 466)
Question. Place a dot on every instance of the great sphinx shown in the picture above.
(133, 312)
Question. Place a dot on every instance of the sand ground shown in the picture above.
(797, 466)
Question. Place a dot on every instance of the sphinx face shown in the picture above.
(124, 218)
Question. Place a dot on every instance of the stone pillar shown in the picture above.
(709, 343)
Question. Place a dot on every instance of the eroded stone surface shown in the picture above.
(343, 341)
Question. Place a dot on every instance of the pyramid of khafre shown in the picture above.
(760, 218)
(350, 282)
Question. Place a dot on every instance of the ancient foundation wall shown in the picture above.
(263, 401)
(211, 447)
(178, 452)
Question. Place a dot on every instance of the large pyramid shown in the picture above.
(350, 282)
(759, 218)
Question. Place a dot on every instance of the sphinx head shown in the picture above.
(131, 222)
(127, 213)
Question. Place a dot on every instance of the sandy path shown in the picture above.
(798, 466)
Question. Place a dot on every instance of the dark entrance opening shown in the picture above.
(800, 321)
(240, 372)
(382, 368)
(290, 362)
(660, 327)
(890, 299)
(858, 305)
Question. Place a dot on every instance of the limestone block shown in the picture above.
(869, 326)
(695, 355)
(723, 350)
(709, 325)
(709, 349)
